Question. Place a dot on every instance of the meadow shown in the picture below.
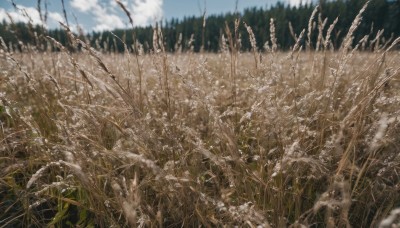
(306, 137)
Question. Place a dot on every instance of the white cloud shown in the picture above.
(104, 17)
(24, 14)
(146, 12)
(113, 3)
(108, 22)
(84, 5)
(297, 3)
(54, 18)
(143, 12)
(107, 15)
(3, 15)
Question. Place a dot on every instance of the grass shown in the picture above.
(298, 138)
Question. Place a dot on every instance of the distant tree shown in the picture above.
(381, 14)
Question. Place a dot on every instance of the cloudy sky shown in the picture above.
(98, 15)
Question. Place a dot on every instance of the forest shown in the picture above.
(381, 19)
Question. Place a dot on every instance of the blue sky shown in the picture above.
(98, 15)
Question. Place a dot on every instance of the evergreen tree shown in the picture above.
(381, 14)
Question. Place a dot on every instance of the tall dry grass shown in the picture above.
(268, 139)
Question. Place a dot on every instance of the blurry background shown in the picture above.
(100, 15)
(184, 18)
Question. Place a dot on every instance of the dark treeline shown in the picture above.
(380, 15)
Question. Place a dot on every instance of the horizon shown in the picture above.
(103, 15)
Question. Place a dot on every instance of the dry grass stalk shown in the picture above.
(218, 142)
(253, 45)
(273, 39)
(311, 27)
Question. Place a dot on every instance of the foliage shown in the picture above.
(143, 139)
(381, 15)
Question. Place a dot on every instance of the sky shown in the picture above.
(100, 15)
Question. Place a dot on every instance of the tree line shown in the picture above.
(205, 34)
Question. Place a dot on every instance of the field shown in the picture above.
(271, 139)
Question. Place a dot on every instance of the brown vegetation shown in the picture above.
(249, 139)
